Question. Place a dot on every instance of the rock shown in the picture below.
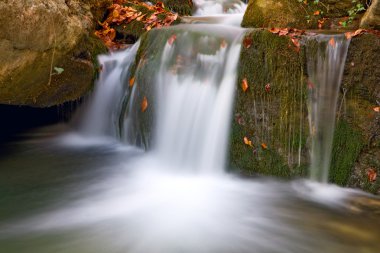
(277, 117)
(292, 13)
(182, 7)
(39, 35)
(371, 18)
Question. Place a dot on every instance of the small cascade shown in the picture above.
(213, 7)
(326, 60)
(101, 115)
(195, 92)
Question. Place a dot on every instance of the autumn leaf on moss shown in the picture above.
(264, 146)
(247, 142)
(244, 85)
(247, 42)
(372, 175)
(376, 109)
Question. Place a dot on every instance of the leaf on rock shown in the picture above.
(131, 82)
(247, 42)
(244, 85)
(372, 175)
(144, 104)
(247, 142)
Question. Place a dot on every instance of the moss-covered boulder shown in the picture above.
(294, 13)
(182, 7)
(371, 18)
(271, 113)
(40, 39)
(270, 129)
(360, 94)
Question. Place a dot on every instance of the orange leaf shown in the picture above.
(264, 146)
(274, 30)
(247, 42)
(244, 85)
(332, 42)
(372, 174)
(131, 82)
(348, 35)
(376, 109)
(144, 104)
(172, 39)
(247, 142)
(316, 13)
(296, 44)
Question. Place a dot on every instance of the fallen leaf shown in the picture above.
(172, 39)
(267, 87)
(247, 42)
(264, 146)
(144, 104)
(376, 109)
(131, 82)
(332, 42)
(244, 85)
(348, 35)
(247, 142)
(316, 13)
(372, 175)
(296, 44)
(274, 30)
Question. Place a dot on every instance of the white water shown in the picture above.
(212, 7)
(158, 201)
(325, 70)
(195, 104)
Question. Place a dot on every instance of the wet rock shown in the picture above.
(38, 36)
(371, 18)
(278, 117)
(291, 13)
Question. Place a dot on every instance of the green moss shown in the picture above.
(279, 13)
(347, 145)
(182, 7)
(276, 117)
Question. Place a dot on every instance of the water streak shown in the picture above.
(326, 61)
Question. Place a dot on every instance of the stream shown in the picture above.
(90, 186)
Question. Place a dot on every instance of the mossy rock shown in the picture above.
(273, 118)
(292, 13)
(182, 7)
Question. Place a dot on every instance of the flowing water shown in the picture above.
(325, 71)
(95, 190)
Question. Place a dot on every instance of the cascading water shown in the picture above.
(195, 88)
(325, 70)
(111, 199)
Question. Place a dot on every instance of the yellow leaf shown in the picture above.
(247, 142)
(244, 85)
(144, 104)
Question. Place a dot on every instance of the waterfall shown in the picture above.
(101, 114)
(326, 60)
(195, 101)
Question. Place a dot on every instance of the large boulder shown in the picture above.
(39, 39)
(293, 13)
(270, 129)
(371, 18)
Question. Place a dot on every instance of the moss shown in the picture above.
(275, 117)
(182, 7)
(347, 145)
(283, 13)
